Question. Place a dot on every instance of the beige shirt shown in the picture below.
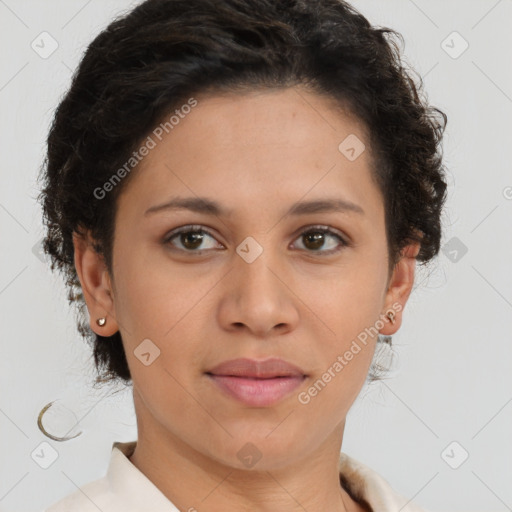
(124, 488)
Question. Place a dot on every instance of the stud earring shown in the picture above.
(101, 321)
(391, 316)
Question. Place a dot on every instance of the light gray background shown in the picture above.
(453, 380)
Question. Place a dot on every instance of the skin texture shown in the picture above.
(256, 154)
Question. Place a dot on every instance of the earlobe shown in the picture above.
(96, 285)
(399, 288)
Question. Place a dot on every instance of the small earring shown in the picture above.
(391, 316)
(101, 321)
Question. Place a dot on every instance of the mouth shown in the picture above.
(251, 368)
(250, 377)
(256, 383)
(256, 391)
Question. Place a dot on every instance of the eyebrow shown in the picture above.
(211, 207)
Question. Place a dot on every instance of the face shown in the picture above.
(263, 276)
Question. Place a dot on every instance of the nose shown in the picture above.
(258, 298)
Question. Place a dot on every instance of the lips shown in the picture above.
(257, 383)
(250, 368)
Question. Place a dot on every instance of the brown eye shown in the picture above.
(190, 239)
(314, 239)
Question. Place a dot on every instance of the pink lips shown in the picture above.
(257, 383)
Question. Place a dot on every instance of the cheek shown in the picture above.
(345, 342)
(151, 296)
(157, 313)
(345, 322)
(345, 302)
(332, 393)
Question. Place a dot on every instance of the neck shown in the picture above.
(193, 481)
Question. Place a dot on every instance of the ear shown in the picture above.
(399, 288)
(96, 285)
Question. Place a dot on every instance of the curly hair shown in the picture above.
(150, 59)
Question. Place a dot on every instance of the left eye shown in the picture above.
(313, 239)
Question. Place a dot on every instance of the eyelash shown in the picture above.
(310, 229)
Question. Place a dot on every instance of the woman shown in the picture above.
(238, 193)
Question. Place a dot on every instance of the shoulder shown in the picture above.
(100, 494)
(122, 489)
(365, 484)
(90, 497)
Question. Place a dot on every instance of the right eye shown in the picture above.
(190, 238)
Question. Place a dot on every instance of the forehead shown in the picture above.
(258, 146)
(282, 118)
